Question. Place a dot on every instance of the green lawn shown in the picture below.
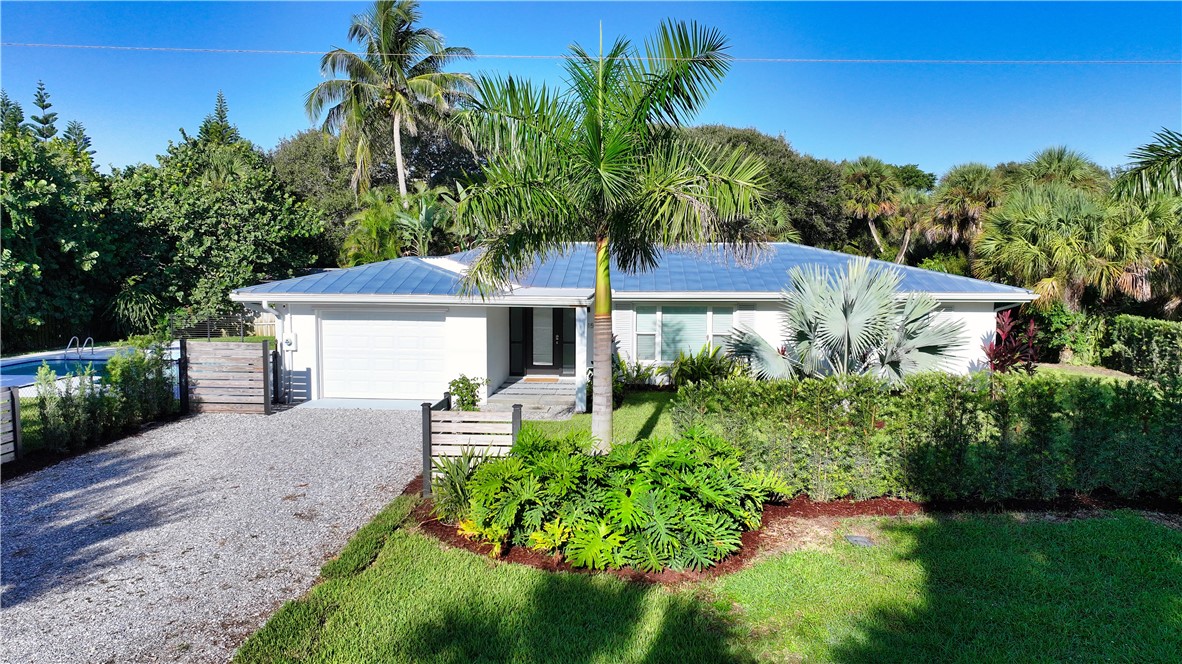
(642, 415)
(982, 588)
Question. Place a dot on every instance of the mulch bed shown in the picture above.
(753, 542)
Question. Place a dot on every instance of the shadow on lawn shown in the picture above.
(576, 618)
(659, 403)
(1000, 589)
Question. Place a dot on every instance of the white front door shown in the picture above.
(382, 355)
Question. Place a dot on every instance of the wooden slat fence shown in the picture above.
(227, 377)
(447, 433)
(10, 424)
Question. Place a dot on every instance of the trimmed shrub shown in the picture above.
(945, 437)
(84, 410)
(1144, 347)
(650, 505)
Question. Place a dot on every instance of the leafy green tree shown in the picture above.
(57, 244)
(602, 160)
(217, 218)
(216, 128)
(870, 193)
(424, 218)
(308, 165)
(803, 197)
(965, 194)
(1156, 168)
(12, 116)
(75, 134)
(851, 323)
(43, 125)
(398, 84)
(911, 176)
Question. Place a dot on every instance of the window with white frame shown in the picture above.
(664, 331)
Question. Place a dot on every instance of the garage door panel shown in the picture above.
(382, 355)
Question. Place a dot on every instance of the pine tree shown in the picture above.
(11, 114)
(76, 134)
(216, 127)
(42, 125)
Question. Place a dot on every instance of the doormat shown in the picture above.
(541, 379)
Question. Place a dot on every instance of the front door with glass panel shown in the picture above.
(541, 341)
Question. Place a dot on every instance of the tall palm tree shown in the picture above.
(397, 84)
(1064, 166)
(1156, 168)
(915, 211)
(601, 160)
(964, 195)
(375, 232)
(870, 191)
(851, 322)
(1060, 241)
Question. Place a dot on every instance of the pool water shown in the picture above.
(24, 373)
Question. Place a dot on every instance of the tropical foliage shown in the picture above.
(870, 193)
(1156, 168)
(852, 322)
(600, 161)
(983, 437)
(650, 505)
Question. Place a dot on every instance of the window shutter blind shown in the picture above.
(683, 329)
(622, 325)
(646, 333)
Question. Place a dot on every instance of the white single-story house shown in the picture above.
(401, 330)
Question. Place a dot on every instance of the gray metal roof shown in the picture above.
(678, 272)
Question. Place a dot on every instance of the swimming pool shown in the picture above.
(22, 371)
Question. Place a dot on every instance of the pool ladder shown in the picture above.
(78, 348)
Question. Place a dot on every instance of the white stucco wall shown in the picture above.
(980, 323)
(466, 331)
(497, 333)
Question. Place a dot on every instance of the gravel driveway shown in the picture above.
(175, 544)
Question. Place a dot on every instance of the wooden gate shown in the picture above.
(10, 424)
(226, 377)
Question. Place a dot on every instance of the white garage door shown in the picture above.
(382, 355)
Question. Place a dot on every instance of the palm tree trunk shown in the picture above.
(601, 356)
(396, 130)
(906, 245)
(874, 234)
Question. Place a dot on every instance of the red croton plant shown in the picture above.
(1013, 347)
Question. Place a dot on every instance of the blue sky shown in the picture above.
(133, 103)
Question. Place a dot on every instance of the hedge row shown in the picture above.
(1144, 346)
(950, 437)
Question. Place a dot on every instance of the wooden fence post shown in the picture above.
(15, 394)
(266, 377)
(516, 420)
(182, 370)
(426, 450)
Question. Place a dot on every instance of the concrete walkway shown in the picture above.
(176, 544)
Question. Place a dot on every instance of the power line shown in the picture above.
(507, 56)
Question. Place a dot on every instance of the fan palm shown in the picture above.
(375, 232)
(870, 191)
(1064, 166)
(964, 195)
(915, 209)
(852, 322)
(398, 83)
(1156, 168)
(1059, 241)
(601, 161)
